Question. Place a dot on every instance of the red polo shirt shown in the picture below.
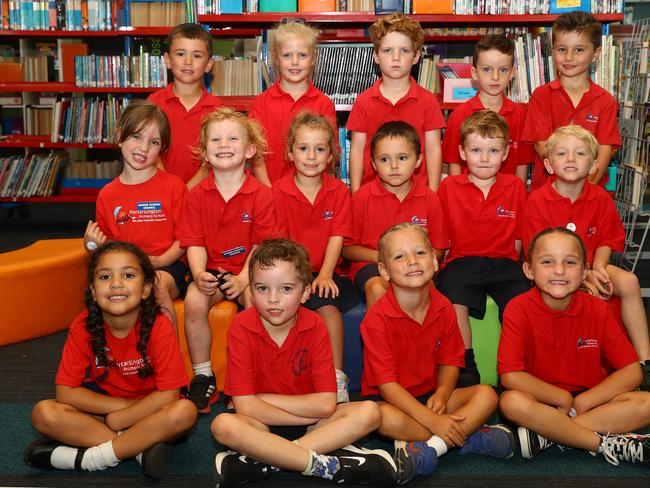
(480, 226)
(399, 349)
(148, 214)
(185, 125)
(229, 229)
(551, 107)
(375, 209)
(514, 113)
(275, 109)
(567, 349)
(592, 216)
(303, 364)
(313, 224)
(419, 107)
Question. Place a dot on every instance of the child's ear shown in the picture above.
(92, 292)
(375, 58)
(596, 55)
(168, 62)
(505, 156)
(305, 294)
(251, 150)
(419, 161)
(383, 272)
(474, 73)
(208, 66)
(146, 290)
(374, 166)
(594, 167)
(547, 165)
(529, 272)
(461, 151)
(416, 58)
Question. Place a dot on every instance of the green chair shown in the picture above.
(485, 342)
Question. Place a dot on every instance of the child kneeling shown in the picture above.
(553, 344)
(280, 376)
(413, 352)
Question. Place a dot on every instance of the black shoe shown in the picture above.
(532, 443)
(154, 460)
(203, 392)
(633, 448)
(645, 368)
(358, 465)
(469, 376)
(39, 453)
(234, 468)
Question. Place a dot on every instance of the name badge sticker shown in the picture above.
(228, 253)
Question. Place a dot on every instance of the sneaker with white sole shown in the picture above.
(203, 392)
(491, 440)
(414, 459)
(342, 393)
(361, 466)
(234, 468)
(633, 448)
(532, 443)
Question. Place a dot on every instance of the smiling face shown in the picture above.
(140, 151)
(311, 152)
(188, 60)
(227, 147)
(277, 293)
(407, 259)
(570, 159)
(493, 71)
(483, 155)
(396, 55)
(295, 58)
(118, 285)
(556, 266)
(573, 53)
(395, 160)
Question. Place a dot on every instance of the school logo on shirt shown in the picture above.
(504, 212)
(591, 231)
(246, 217)
(328, 214)
(591, 118)
(143, 212)
(586, 343)
(415, 220)
(514, 144)
(300, 361)
(437, 344)
(121, 216)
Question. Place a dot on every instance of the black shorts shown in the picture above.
(289, 432)
(348, 296)
(467, 281)
(420, 398)
(368, 271)
(178, 270)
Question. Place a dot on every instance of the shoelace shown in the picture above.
(544, 443)
(617, 448)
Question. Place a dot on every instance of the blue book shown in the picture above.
(565, 6)
(389, 6)
(231, 6)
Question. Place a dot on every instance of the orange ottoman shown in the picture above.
(221, 316)
(42, 287)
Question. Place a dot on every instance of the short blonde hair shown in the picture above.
(292, 28)
(251, 127)
(313, 121)
(485, 123)
(576, 131)
(396, 22)
(381, 246)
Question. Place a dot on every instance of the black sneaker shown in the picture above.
(645, 368)
(633, 448)
(360, 466)
(234, 468)
(532, 443)
(39, 453)
(154, 460)
(203, 392)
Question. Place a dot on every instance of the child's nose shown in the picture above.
(495, 75)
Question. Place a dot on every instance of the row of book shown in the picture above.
(38, 121)
(342, 170)
(120, 71)
(89, 170)
(235, 77)
(93, 15)
(31, 175)
(528, 7)
(157, 13)
(86, 120)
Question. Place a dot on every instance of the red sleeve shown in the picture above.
(240, 365)
(76, 356)
(532, 220)
(256, 112)
(537, 126)
(616, 348)
(102, 218)
(434, 119)
(281, 211)
(607, 131)
(452, 348)
(523, 151)
(612, 232)
(342, 223)
(178, 210)
(358, 119)
(437, 223)
(379, 361)
(511, 355)
(451, 141)
(265, 226)
(520, 203)
(322, 364)
(192, 228)
(166, 360)
(358, 215)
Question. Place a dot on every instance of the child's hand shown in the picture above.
(93, 237)
(448, 428)
(234, 284)
(600, 279)
(207, 283)
(437, 403)
(325, 287)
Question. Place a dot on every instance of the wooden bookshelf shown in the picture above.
(66, 195)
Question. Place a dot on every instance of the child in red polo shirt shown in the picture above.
(554, 342)
(293, 52)
(483, 210)
(313, 208)
(394, 196)
(397, 42)
(569, 200)
(493, 69)
(572, 98)
(185, 100)
(412, 352)
(228, 213)
(144, 205)
(280, 376)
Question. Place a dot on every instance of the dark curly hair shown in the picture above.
(149, 308)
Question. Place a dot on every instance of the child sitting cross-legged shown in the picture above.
(413, 352)
(554, 343)
(280, 375)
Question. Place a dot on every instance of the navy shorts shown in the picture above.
(178, 270)
(467, 281)
(289, 432)
(348, 296)
(420, 398)
(368, 271)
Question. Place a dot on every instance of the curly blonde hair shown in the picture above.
(287, 29)
(254, 134)
(580, 133)
(397, 22)
(313, 121)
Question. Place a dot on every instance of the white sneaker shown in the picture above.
(342, 381)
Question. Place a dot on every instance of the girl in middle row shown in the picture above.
(314, 209)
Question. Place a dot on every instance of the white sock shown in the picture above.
(203, 368)
(99, 457)
(438, 444)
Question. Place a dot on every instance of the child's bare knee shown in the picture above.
(44, 415)
(514, 404)
(225, 428)
(628, 284)
(370, 414)
(181, 416)
(487, 395)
